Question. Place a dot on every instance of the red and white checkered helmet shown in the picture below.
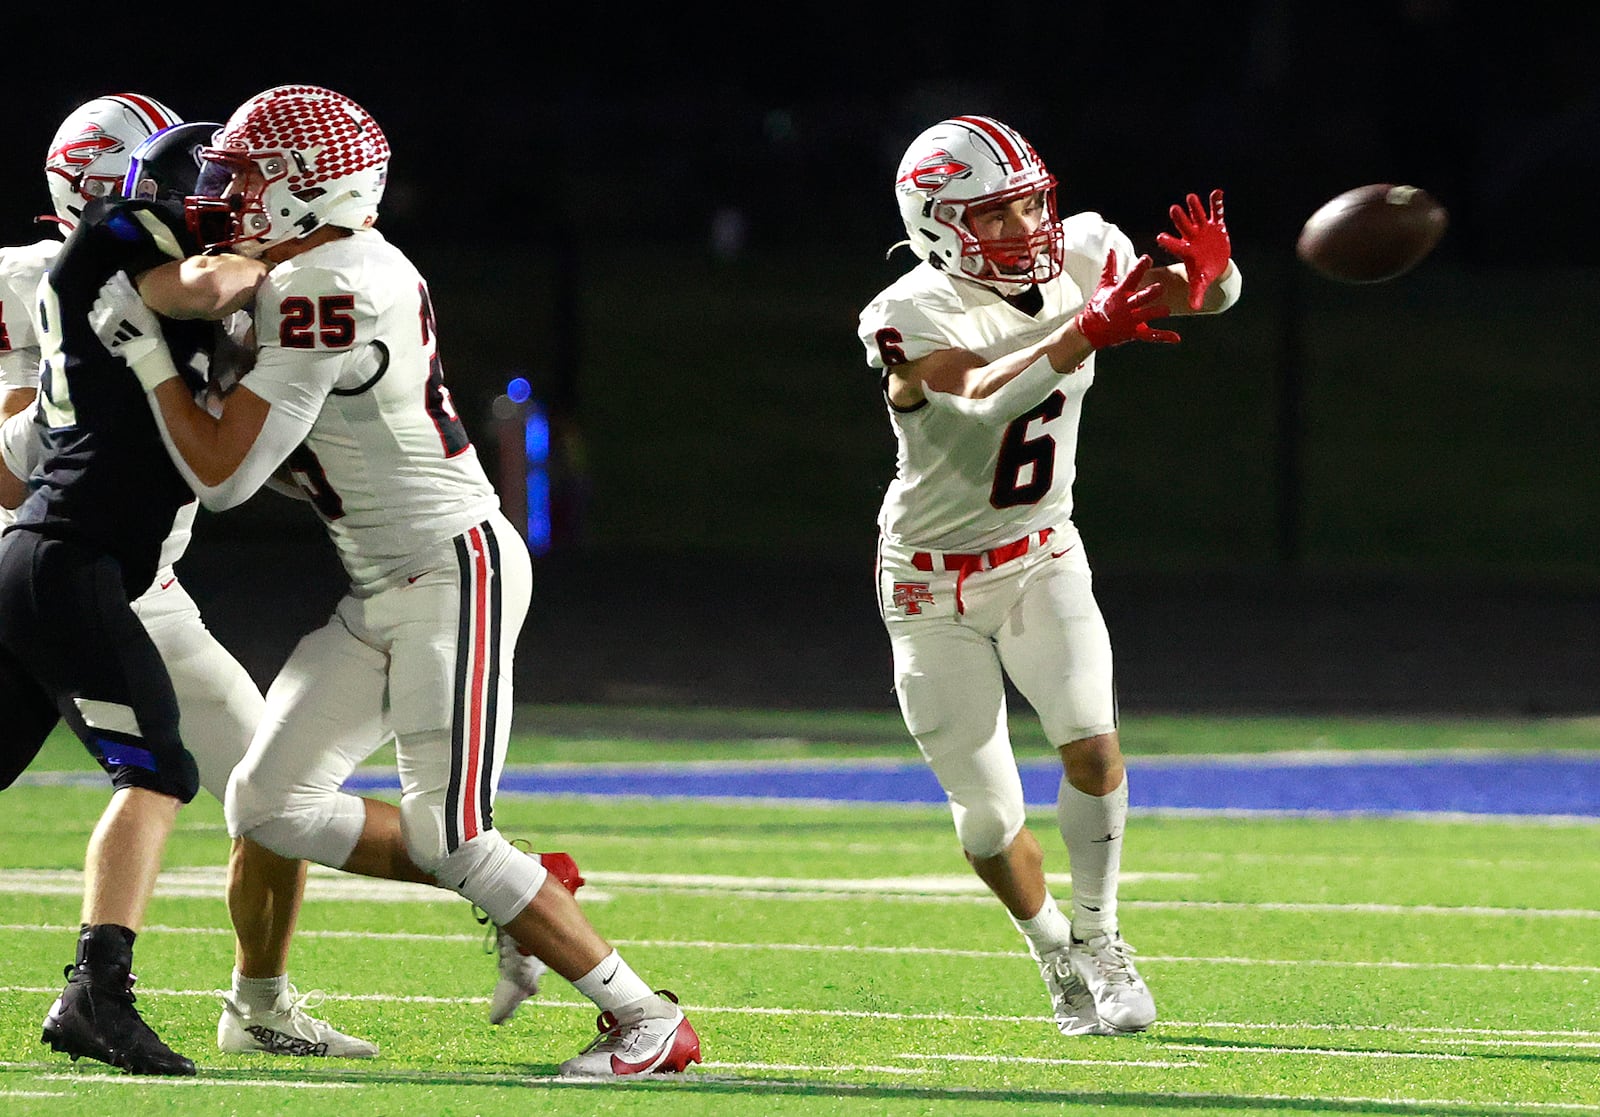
(287, 162)
(88, 155)
(964, 163)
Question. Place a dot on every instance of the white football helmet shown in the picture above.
(965, 163)
(287, 162)
(88, 156)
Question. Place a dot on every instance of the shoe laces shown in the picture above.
(612, 1030)
(1113, 958)
(300, 1003)
(1063, 981)
(106, 988)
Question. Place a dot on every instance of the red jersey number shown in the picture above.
(329, 319)
(889, 350)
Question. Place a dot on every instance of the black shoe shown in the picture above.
(98, 1020)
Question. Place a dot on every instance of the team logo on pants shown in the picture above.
(912, 596)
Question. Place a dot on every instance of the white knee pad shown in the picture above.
(970, 752)
(987, 820)
(322, 827)
(490, 872)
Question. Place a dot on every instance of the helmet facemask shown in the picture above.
(230, 204)
(1019, 261)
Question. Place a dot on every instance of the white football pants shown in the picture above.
(428, 662)
(1033, 619)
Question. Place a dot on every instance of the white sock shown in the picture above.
(1046, 931)
(259, 992)
(1092, 826)
(612, 984)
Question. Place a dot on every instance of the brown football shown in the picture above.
(1372, 233)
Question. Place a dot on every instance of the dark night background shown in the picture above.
(1331, 498)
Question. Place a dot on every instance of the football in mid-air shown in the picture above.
(1372, 233)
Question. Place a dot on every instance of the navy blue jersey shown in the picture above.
(107, 480)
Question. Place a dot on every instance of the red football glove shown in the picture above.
(563, 868)
(1202, 244)
(1119, 311)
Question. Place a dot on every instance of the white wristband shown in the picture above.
(154, 367)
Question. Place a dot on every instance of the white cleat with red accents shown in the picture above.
(653, 1038)
(520, 972)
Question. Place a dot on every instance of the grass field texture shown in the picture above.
(843, 959)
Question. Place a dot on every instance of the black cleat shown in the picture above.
(98, 1020)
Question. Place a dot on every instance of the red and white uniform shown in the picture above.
(953, 489)
(21, 268)
(422, 645)
(980, 568)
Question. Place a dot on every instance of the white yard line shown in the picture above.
(850, 948)
(860, 1014)
(1335, 1052)
(843, 1068)
(111, 1078)
(1029, 1060)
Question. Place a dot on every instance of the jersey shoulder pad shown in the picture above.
(22, 265)
(21, 268)
(1089, 238)
(912, 308)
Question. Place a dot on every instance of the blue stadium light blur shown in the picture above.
(536, 453)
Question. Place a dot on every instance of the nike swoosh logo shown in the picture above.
(411, 579)
(1107, 838)
(607, 979)
(1058, 554)
(169, 583)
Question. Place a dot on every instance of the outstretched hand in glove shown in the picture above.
(130, 330)
(1202, 244)
(1120, 310)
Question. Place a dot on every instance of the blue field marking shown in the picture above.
(1543, 784)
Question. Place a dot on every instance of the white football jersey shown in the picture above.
(21, 268)
(960, 485)
(346, 340)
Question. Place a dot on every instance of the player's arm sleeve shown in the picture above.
(1006, 402)
(900, 332)
(294, 393)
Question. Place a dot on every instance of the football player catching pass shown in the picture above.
(986, 348)
(129, 144)
(347, 395)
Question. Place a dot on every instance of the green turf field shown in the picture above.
(842, 960)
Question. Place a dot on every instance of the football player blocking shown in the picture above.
(99, 149)
(986, 348)
(346, 397)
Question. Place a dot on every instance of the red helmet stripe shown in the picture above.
(155, 115)
(1014, 152)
